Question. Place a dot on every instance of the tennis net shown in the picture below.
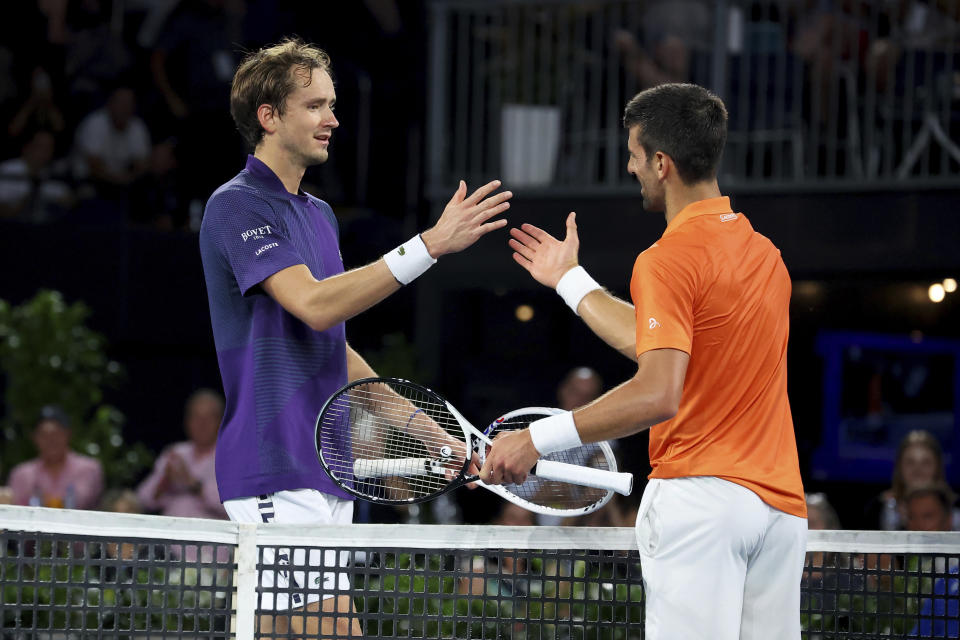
(69, 574)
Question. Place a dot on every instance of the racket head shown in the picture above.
(553, 497)
(391, 425)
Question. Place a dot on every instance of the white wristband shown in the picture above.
(555, 433)
(574, 285)
(409, 260)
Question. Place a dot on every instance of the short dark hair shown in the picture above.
(684, 121)
(939, 490)
(53, 413)
(268, 76)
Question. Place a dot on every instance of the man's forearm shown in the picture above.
(321, 304)
(357, 367)
(613, 320)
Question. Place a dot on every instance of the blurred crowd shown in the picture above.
(117, 111)
(105, 103)
(182, 483)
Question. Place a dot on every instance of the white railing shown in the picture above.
(856, 98)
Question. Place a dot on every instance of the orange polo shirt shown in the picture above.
(719, 291)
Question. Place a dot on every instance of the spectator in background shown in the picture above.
(820, 513)
(512, 515)
(58, 477)
(672, 30)
(612, 514)
(183, 481)
(929, 507)
(919, 462)
(192, 66)
(29, 189)
(120, 501)
(157, 198)
(113, 144)
(40, 110)
(579, 387)
(96, 55)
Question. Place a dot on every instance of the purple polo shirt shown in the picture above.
(277, 372)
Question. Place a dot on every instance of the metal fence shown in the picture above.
(857, 95)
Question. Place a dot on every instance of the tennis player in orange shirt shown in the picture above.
(722, 524)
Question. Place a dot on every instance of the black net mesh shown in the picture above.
(63, 586)
(400, 582)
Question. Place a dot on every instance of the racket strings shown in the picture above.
(391, 442)
(552, 493)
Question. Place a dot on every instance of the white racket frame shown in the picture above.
(622, 483)
(611, 480)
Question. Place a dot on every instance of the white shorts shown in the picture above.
(718, 563)
(279, 590)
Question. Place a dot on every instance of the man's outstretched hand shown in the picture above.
(542, 255)
(465, 219)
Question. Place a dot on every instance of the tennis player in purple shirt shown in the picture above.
(279, 297)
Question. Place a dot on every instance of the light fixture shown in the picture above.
(936, 292)
(949, 285)
(524, 313)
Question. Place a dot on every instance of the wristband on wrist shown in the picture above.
(410, 419)
(555, 433)
(409, 260)
(575, 285)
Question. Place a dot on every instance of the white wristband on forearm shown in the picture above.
(575, 285)
(409, 260)
(555, 433)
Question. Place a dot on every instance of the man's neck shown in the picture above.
(54, 467)
(202, 450)
(290, 174)
(683, 195)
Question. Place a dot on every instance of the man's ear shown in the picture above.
(662, 164)
(267, 116)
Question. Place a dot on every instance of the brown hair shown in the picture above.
(939, 490)
(269, 76)
(922, 438)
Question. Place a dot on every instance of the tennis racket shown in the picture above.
(553, 497)
(396, 442)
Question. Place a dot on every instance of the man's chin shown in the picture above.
(318, 157)
(652, 207)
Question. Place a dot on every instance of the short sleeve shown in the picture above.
(244, 230)
(89, 138)
(663, 295)
(140, 140)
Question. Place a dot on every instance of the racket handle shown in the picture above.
(372, 468)
(622, 483)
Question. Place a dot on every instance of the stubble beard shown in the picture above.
(316, 157)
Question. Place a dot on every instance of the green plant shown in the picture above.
(49, 356)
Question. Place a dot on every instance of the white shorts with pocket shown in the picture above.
(279, 589)
(718, 563)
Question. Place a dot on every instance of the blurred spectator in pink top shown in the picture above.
(57, 477)
(183, 481)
